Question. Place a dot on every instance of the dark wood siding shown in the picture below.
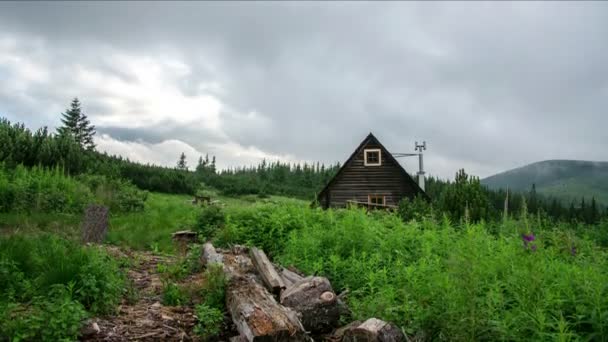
(356, 181)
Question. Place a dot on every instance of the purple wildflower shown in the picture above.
(528, 237)
(533, 248)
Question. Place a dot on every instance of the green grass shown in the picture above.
(151, 229)
(165, 214)
(49, 285)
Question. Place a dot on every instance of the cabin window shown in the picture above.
(375, 199)
(372, 157)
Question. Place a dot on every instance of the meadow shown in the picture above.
(438, 271)
(520, 279)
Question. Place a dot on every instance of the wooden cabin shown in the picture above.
(371, 177)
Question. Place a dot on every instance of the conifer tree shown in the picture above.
(76, 124)
(181, 164)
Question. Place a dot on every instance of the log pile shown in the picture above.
(270, 305)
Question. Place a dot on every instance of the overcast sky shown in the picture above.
(489, 85)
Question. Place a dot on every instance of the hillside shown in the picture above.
(564, 179)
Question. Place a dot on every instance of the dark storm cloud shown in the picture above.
(488, 85)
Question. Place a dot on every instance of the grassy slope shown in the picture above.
(565, 179)
(147, 230)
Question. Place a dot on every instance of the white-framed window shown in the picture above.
(376, 199)
(372, 157)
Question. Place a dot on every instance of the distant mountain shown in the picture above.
(564, 179)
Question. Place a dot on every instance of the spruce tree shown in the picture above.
(76, 124)
(181, 164)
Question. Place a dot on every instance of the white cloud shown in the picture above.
(166, 153)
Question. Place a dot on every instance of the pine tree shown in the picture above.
(594, 214)
(76, 124)
(181, 164)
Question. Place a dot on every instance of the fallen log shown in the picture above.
(257, 315)
(290, 277)
(315, 301)
(268, 273)
(373, 330)
(210, 255)
(254, 311)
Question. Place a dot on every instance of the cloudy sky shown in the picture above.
(488, 85)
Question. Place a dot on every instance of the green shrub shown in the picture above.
(40, 262)
(417, 209)
(214, 292)
(118, 194)
(41, 190)
(173, 294)
(210, 219)
(209, 321)
(55, 317)
(172, 271)
(49, 284)
(192, 261)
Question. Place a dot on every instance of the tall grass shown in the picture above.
(152, 228)
(41, 190)
(50, 285)
(440, 281)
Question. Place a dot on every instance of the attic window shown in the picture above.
(375, 199)
(372, 157)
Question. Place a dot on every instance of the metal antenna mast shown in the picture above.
(419, 148)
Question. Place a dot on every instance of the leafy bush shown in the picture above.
(53, 318)
(173, 294)
(266, 225)
(209, 321)
(210, 219)
(214, 289)
(118, 194)
(192, 261)
(415, 209)
(41, 190)
(49, 284)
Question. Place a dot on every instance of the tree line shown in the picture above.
(72, 148)
(467, 198)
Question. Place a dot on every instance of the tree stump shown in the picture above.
(95, 224)
(374, 330)
(182, 239)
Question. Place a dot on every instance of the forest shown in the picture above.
(468, 264)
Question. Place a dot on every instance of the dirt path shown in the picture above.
(142, 317)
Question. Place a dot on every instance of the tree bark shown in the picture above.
(269, 275)
(210, 255)
(257, 315)
(374, 330)
(315, 301)
(289, 277)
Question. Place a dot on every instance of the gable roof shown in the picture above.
(372, 139)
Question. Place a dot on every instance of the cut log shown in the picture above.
(268, 273)
(290, 277)
(210, 255)
(254, 311)
(374, 330)
(257, 315)
(338, 334)
(315, 301)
